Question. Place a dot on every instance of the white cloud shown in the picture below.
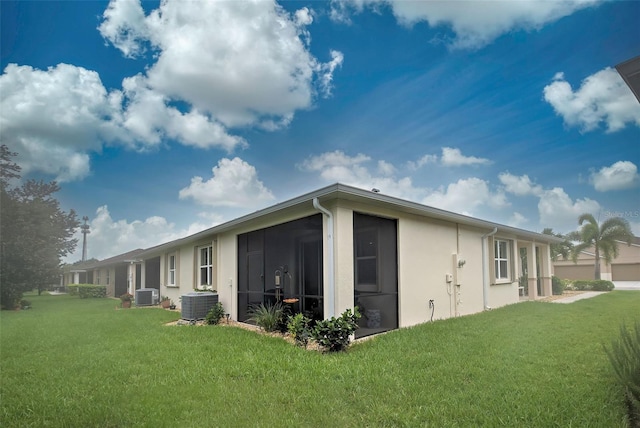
(211, 57)
(520, 185)
(603, 97)
(337, 167)
(517, 220)
(124, 25)
(557, 210)
(109, 237)
(466, 195)
(424, 160)
(234, 183)
(450, 157)
(149, 121)
(475, 23)
(454, 157)
(620, 175)
(217, 56)
(54, 118)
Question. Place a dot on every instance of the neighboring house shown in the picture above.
(119, 273)
(340, 247)
(77, 273)
(625, 267)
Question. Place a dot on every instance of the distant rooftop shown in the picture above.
(630, 72)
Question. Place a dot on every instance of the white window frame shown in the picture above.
(500, 258)
(205, 283)
(97, 278)
(172, 271)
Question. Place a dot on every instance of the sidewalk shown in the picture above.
(575, 298)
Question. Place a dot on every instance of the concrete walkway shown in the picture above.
(575, 298)
(618, 285)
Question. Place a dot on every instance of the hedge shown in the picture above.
(592, 285)
(86, 291)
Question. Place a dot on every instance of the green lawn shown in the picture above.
(80, 363)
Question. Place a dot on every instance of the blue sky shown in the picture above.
(160, 120)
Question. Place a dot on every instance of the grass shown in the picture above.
(69, 362)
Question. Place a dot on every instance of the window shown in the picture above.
(205, 266)
(171, 270)
(108, 277)
(501, 251)
(97, 276)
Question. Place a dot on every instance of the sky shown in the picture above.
(161, 119)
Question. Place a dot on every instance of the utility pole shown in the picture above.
(84, 230)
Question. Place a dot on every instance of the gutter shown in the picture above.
(331, 262)
(485, 269)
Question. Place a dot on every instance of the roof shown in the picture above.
(345, 192)
(122, 258)
(630, 72)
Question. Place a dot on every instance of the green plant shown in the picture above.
(86, 291)
(557, 285)
(334, 334)
(592, 285)
(25, 304)
(299, 328)
(214, 314)
(73, 289)
(164, 298)
(625, 358)
(126, 297)
(268, 317)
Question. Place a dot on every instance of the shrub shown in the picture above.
(592, 285)
(625, 358)
(298, 327)
(25, 304)
(214, 314)
(268, 317)
(73, 289)
(557, 285)
(334, 334)
(86, 291)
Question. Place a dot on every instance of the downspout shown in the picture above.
(331, 261)
(485, 269)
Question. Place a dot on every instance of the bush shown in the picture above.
(214, 314)
(25, 304)
(557, 285)
(86, 291)
(335, 334)
(625, 358)
(298, 327)
(268, 317)
(73, 289)
(592, 285)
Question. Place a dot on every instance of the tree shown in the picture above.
(34, 233)
(563, 249)
(602, 238)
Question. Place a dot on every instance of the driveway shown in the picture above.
(627, 285)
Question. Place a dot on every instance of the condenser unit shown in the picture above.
(196, 306)
(147, 296)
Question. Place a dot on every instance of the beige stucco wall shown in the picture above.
(428, 250)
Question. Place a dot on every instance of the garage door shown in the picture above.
(574, 272)
(626, 272)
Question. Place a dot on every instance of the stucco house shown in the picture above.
(401, 262)
(625, 267)
(119, 274)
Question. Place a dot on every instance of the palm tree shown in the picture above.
(601, 237)
(563, 249)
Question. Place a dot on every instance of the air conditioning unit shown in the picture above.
(147, 296)
(196, 306)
